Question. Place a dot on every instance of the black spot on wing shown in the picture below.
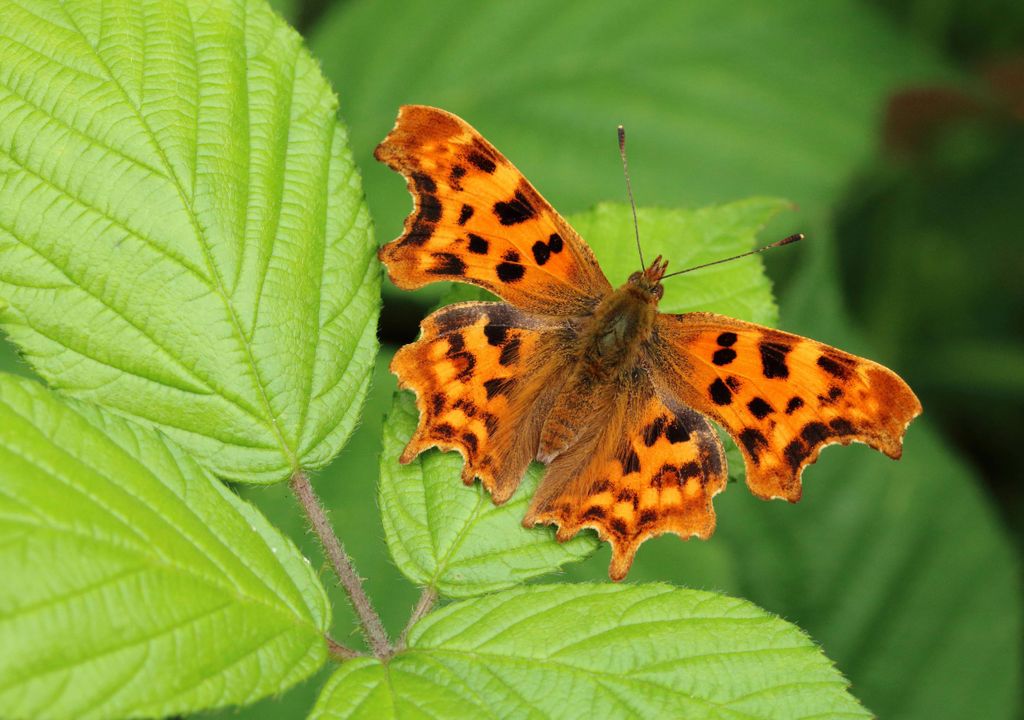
(773, 359)
(795, 454)
(630, 463)
(471, 441)
(630, 496)
(555, 243)
(759, 407)
(510, 272)
(419, 233)
(510, 352)
(456, 344)
(754, 441)
(835, 366)
(814, 433)
(495, 334)
(514, 211)
(455, 177)
(424, 183)
(727, 339)
(720, 394)
(794, 404)
(437, 403)
(594, 512)
(465, 214)
(689, 470)
(675, 431)
(481, 161)
(842, 426)
(653, 431)
(430, 208)
(723, 356)
(494, 386)
(541, 252)
(447, 264)
(477, 244)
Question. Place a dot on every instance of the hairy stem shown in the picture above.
(369, 620)
(338, 651)
(424, 605)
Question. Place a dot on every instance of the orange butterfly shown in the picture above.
(612, 395)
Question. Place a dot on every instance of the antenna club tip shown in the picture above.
(796, 237)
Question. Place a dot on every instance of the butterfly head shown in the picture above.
(648, 280)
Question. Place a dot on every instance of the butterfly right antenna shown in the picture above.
(629, 189)
(778, 243)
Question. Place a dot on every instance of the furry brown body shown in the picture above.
(608, 346)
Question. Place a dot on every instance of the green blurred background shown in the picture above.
(897, 128)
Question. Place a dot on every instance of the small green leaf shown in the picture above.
(182, 229)
(454, 539)
(687, 238)
(569, 651)
(134, 582)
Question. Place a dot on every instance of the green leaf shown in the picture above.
(183, 237)
(452, 538)
(455, 540)
(135, 583)
(687, 238)
(596, 651)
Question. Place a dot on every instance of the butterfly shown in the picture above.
(614, 397)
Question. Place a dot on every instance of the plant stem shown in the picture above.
(369, 620)
(338, 651)
(424, 605)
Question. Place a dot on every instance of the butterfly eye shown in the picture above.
(658, 292)
(635, 277)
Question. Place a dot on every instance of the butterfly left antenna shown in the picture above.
(629, 189)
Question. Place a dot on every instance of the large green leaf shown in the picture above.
(183, 236)
(135, 583)
(455, 540)
(569, 651)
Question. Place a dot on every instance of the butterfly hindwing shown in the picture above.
(780, 396)
(482, 373)
(642, 467)
(478, 220)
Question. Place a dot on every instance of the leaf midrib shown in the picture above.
(270, 420)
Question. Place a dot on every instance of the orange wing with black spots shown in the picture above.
(477, 220)
(482, 373)
(645, 467)
(782, 397)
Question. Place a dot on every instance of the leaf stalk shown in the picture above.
(369, 620)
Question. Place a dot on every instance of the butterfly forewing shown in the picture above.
(478, 220)
(780, 396)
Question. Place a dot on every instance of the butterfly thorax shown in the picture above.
(608, 345)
